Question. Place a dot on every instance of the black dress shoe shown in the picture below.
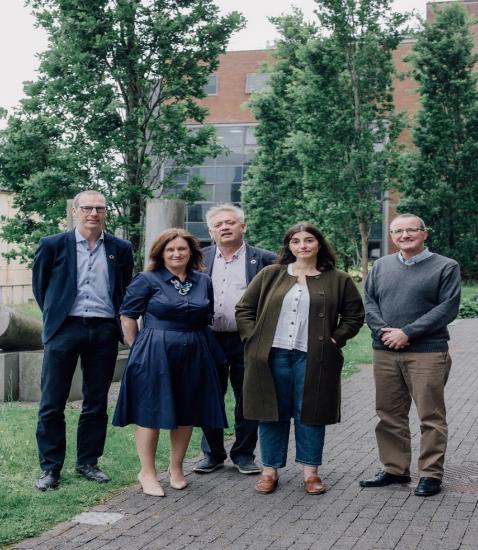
(48, 480)
(428, 486)
(383, 478)
(92, 472)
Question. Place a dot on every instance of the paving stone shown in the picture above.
(221, 510)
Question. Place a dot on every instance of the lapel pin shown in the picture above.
(253, 261)
(111, 257)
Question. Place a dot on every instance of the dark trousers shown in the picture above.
(96, 342)
(212, 442)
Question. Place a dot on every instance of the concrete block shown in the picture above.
(29, 375)
(121, 363)
(8, 376)
(30, 367)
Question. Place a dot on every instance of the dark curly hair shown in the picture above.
(165, 237)
(326, 256)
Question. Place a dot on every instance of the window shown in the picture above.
(251, 136)
(231, 136)
(256, 82)
(211, 87)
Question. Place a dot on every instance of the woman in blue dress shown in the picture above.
(170, 381)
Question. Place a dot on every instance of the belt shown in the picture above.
(89, 320)
(162, 324)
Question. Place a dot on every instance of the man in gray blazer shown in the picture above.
(232, 264)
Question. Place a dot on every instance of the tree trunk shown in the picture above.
(364, 229)
(19, 332)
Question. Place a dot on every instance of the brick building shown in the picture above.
(228, 91)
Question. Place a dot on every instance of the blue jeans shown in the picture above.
(288, 370)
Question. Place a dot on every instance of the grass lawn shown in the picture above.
(26, 512)
(469, 290)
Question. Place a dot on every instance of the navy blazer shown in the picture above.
(256, 259)
(55, 276)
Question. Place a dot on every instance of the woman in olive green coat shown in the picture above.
(293, 318)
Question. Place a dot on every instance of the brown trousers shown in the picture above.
(399, 378)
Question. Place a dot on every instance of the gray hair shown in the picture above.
(78, 196)
(226, 207)
(410, 215)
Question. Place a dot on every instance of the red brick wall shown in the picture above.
(228, 105)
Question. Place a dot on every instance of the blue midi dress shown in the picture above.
(171, 378)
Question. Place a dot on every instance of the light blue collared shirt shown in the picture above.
(93, 288)
(423, 255)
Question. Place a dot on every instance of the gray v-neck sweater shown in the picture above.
(421, 299)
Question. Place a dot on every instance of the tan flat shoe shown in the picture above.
(266, 484)
(313, 486)
(151, 488)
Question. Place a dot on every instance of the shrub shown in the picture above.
(468, 308)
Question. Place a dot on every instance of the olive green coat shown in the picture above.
(336, 311)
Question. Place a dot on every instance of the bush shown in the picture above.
(468, 308)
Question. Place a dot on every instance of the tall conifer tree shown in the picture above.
(440, 180)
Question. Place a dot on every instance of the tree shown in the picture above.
(440, 182)
(343, 127)
(117, 85)
(273, 190)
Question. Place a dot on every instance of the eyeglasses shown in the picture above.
(409, 230)
(89, 209)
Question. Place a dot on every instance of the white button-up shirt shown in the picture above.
(293, 324)
(229, 282)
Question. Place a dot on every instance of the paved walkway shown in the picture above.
(222, 510)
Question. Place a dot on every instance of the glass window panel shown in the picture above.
(232, 158)
(376, 231)
(231, 135)
(208, 173)
(209, 161)
(251, 136)
(256, 82)
(237, 174)
(223, 193)
(199, 230)
(210, 88)
(236, 192)
(228, 174)
(181, 178)
(208, 189)
(197, 212)
(228, 192)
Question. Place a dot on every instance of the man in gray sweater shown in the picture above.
(410, 298)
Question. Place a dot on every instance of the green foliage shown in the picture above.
(116, 87)
(25, 512)
(329, 104)
(468, 308)
(357, 352)
(440, 178)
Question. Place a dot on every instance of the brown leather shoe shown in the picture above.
(266, 484)
(313, 486)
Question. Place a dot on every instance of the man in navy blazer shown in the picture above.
(232, 264)
(79, 279)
